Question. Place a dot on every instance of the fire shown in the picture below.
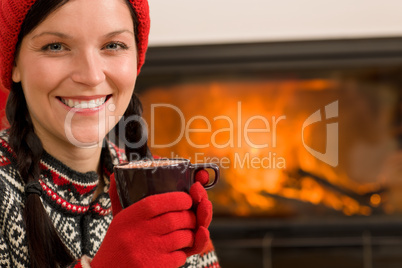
(253, 130)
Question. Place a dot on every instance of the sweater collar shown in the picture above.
(86, 182)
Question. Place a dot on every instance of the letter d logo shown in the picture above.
(331, 155)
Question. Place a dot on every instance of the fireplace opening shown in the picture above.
(308, 136)
(255, 130)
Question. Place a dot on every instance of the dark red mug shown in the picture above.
(138, 179)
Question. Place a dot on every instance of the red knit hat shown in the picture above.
(13, 12)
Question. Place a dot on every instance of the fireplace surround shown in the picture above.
(286, 203)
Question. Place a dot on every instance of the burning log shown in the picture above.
(303, 206)
(364, 200)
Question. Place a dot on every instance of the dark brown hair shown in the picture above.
(45, 246)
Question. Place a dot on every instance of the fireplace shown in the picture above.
(308, 136)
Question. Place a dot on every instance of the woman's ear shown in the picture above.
(16, 75)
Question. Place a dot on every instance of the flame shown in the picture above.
(255, 126)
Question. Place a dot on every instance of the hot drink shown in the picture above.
(138, 179)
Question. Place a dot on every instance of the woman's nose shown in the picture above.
(88, 69)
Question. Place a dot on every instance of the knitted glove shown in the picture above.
(201, 205)
(114, 198)
(152, 232)
(202, 176)
(203, 208)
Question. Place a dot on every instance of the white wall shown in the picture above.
(181, 22)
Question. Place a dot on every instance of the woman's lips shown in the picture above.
(83, 103)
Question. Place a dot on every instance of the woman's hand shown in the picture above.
(158, 231)
(203, 209)
(153, 232)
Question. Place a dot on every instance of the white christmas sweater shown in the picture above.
(67, 197)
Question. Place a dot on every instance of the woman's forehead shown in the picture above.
(93, 15)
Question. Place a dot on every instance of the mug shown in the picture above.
(138, 179)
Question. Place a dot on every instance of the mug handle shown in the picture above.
(212, 166)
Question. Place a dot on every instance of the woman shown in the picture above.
(70, 67)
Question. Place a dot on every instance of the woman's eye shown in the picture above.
(115, 46)
(54, 47)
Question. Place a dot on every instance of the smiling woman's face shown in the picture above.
(78, 70)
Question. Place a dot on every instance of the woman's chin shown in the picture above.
(86, 139)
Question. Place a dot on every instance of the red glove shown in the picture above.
(203, 208)
(114, 198)
(152, 232)
(202, 176)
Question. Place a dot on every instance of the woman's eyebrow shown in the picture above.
(58, 34)
(66, 36)
(114, 33)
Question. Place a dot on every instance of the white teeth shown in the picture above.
(84, 104)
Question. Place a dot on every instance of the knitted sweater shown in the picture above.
(67, 197)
